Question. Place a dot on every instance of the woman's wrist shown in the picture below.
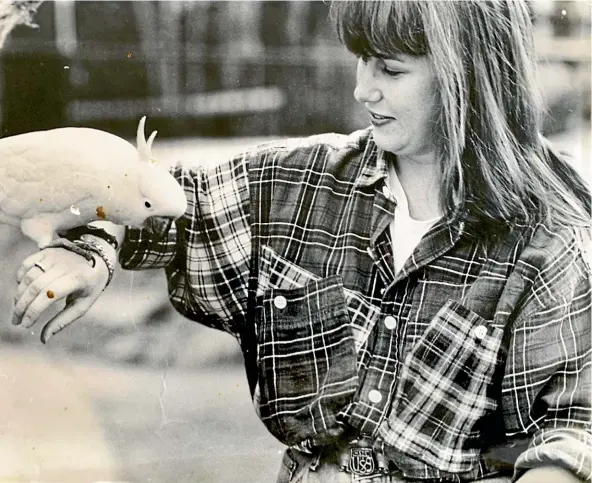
(103, 249)
(92, 249)
(102, 239)
(97, 232)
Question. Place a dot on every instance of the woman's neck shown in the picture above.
(420, 179)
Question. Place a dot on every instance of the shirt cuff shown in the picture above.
(142, 249)
(566, 448)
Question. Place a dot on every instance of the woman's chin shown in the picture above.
(386, 143)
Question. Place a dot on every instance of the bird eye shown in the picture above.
(147, 204)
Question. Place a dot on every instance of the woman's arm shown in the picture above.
(205, 255)
(78, 270)
(547, 391)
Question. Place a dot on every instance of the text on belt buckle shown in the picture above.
(361, 459)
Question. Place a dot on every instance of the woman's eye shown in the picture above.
(379, 65)
(390, 72)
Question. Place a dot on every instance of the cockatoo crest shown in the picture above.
(144, 147)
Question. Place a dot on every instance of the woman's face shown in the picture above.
(400, 96)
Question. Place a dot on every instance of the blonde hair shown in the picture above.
(493, 158)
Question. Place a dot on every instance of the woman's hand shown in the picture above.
(50, 276)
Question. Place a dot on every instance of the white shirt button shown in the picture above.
(479, 332)
(375, 396)
(386, 191)
(390, 322)
(280, 302)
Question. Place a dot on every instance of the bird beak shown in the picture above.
(158, 225)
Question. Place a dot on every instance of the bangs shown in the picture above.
(380, 29)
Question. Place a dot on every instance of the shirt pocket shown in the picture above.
(275, 272)
(306, 358)
(446, 389)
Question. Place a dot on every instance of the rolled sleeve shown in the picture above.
(141, 249)
(206, 253)
(567, 448)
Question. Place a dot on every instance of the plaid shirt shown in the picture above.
(290, 242)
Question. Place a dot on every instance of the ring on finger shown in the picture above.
(40, 267)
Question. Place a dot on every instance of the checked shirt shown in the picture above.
(479, 344)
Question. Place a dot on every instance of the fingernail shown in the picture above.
(15, 320)
(25, 322)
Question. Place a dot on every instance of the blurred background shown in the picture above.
(133, 392)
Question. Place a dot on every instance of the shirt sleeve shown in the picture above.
(206, 253)
(548, 381)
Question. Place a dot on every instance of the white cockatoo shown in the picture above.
(62, 178)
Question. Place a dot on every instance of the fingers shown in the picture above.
(31, 284)
(45, 278)
(39, 297)
(29, 263)
(75, 308)
(52, 276)
(38, 281)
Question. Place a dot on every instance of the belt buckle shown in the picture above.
(362, 458)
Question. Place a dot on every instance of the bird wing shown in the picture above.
(44, 172)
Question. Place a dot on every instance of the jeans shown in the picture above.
(295, 468)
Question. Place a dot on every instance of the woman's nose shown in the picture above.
(366, 89)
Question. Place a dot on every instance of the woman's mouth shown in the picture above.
(378, 120)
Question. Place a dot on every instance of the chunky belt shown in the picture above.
(363, 458)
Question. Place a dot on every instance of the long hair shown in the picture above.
(493, 159)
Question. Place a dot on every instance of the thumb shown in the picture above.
(75, 308)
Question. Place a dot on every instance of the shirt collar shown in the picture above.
(374, 167)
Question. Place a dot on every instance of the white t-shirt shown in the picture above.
(406, 232)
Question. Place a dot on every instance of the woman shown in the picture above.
(413, 299)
